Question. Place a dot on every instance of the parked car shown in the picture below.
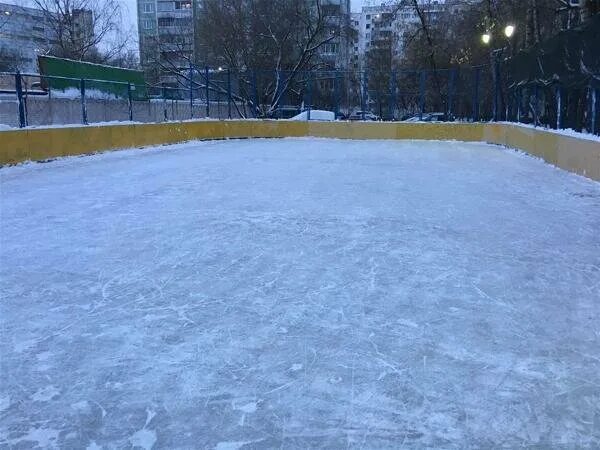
(430, 117)
(315, 114)
(363, 115)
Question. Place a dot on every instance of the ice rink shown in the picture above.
(299, 293)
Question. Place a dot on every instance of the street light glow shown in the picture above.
(486, 38)
(7, 13)
(509, 30)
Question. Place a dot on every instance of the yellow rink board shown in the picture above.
(576, 154)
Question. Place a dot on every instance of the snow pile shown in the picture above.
(73, 93)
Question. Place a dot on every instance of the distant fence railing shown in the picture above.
(457, 94)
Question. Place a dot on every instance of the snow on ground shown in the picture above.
(299, 293)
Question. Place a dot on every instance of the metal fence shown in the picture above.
(473, 94)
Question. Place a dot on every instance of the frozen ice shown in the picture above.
(299, 293)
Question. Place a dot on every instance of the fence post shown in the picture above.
(536, 99)
(422, 78)
(392, 91)
(277, 92)
(476, 94)
(164, 94)
(207, 78)
(20, 100)
(255, 92)
(362, 94)
(495, 103)
(130, 102)
(558, 107)
(594, 106)
(84, 118)
(451, 82)
(191, 91)
(229, 93)
(310, 86)
(519, 102)
(336, 94)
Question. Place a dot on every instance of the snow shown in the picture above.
(315, 114)
(563, 132)
(299, 293)
(74, 93)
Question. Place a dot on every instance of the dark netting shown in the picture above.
(571, 58)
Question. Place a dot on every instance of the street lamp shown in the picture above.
(495, 55)
(509, 31)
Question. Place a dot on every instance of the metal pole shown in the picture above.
(336, 94)
(392, 99)
(229, 93)
(20, 100)
(366, 93)
(451, 83)
(594, 110)
(191, 91)
(519, 102)
(558, 107)
(84, 118)
(207, 77)
(422, 79)
(496, 80)
(278, 92)
(362, 95)
(164, 94)
(476, 95)
(255, 89)
(535, 106)
(130, 102)
(309, 94)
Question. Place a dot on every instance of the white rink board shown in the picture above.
(299, 293)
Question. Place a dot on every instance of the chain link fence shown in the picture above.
(482, 93)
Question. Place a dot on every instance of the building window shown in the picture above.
(166, 6)
(368, 26)
(174, 22)
(147, 24)
(368, 16)
(148, 7)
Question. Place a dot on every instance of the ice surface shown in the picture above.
(299, 293)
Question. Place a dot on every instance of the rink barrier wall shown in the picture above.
(572, 153)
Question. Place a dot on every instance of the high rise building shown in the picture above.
(336, 53)
(166, 37)
(382, 28)
(169, 40)
(24, 33)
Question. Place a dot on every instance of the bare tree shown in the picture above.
(10, 60)
(87, 30)
(281, 38)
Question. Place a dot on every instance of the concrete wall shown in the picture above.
(575, 154)
(46, 110)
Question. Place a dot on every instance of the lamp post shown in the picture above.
(495, 56)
